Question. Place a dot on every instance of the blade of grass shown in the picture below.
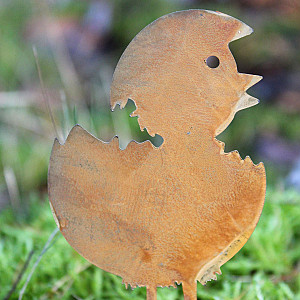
(46, 247)
(25, 266)
(12, 187)
(45, 94)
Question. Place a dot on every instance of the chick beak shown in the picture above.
(250, 80)
(243, 30)
(246, 101)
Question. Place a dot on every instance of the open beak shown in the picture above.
(246, 100)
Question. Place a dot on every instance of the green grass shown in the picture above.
(266, 268)
(269, 264)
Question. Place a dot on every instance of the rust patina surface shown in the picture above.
(173, 214)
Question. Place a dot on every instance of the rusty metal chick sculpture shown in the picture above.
(173, 214)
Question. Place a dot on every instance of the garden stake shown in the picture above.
(173, 214)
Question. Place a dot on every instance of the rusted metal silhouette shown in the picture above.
(173, 214)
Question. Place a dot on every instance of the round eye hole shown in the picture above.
(212, 61)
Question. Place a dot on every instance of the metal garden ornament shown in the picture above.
(173, 214)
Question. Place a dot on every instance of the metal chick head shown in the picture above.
(173, 214)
